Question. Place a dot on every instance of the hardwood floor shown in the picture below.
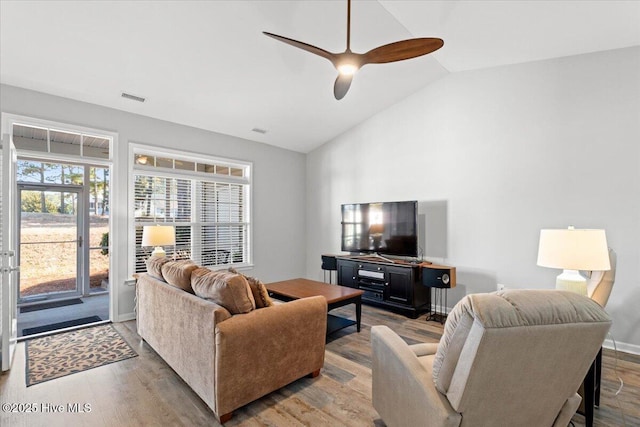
(145, 391)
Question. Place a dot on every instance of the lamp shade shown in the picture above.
(574, 249)
(158, 235)
(376, 229)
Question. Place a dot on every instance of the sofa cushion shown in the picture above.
(154, 266)
(227, 289)
(178, 273)
(258, 289)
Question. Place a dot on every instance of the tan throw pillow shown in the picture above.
(259, 291)
(154, 266)
(178, 273)
(227, 289)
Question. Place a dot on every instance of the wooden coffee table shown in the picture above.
(336, 296)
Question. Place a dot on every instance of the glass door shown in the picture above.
(51, 240)
(8, 260)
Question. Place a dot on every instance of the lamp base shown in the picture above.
(572, 280)
(158, 251)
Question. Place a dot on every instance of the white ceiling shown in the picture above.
(207, 64)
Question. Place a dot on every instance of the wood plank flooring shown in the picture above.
(145, 391)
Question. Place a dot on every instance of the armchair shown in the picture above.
(600, 283)
(514, 357)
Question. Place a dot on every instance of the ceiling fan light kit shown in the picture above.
(347, 69)
(348, 63)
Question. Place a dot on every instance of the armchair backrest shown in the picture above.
(511, 357)
(600, 283)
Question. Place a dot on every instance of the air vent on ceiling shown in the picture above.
(258, 130)
(132, 97)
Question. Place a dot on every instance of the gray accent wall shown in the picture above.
(278, 193)
(493, 156)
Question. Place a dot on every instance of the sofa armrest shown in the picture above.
(266, 349)
(567, 411)
(424, 349)
(416, 402)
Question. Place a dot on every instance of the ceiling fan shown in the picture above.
(348, 62)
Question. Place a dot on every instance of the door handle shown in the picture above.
(9, 269)
(79, 241)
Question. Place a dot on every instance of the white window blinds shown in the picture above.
(210, 213)
(223, 228)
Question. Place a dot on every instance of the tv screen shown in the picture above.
(386, 228)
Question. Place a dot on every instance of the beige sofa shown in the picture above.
(231, 360)
(512, 358)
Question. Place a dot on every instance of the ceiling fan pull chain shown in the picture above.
(348, 25)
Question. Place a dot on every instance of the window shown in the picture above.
(53, 141)
(206, 200)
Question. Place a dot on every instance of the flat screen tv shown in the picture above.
(386, 228)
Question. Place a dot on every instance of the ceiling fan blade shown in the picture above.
(300, 45)
(405, 49)
(342, 85)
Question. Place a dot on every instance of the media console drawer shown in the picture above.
(372, 274)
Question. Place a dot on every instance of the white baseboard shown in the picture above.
(125, 317)
(447, 310)
(622, 346)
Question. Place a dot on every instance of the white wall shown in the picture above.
(278, 181)
(505, 151)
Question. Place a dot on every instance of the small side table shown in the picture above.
(441, 278)
(590, 390)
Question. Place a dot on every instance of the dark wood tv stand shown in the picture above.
(395, 285)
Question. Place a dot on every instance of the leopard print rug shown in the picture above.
(67, 353)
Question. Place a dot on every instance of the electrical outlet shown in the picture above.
(501, 287)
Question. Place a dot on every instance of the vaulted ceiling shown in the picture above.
(207, 64)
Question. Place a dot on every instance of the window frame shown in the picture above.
(9, 120)
(162, 172)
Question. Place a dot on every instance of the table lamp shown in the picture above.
(376, 231)
(158, 236)
(573, 249)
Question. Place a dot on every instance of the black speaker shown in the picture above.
(329, 262)
(438, 276)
